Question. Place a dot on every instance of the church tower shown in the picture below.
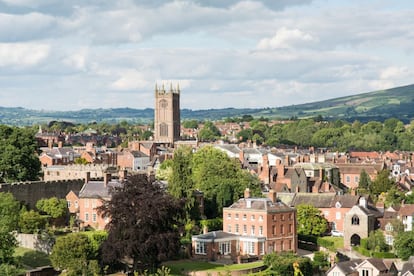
(167, 114)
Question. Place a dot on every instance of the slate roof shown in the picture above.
(97, 189)
(138, 154)
(215, 235)
(230, 147)
(260, 204)
(346, 267)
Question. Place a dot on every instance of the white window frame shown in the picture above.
(200, 248)
(225, 247)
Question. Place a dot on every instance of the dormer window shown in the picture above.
(355, 220)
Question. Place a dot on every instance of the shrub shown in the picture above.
(383, 255)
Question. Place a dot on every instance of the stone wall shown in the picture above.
(29, 193)
(60, 172)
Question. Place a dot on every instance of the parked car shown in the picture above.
(336, 233)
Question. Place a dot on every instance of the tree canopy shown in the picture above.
(9, 212)
(404, 245)
(287, 263)
(76, 254)
(310, 220)
(18, 157)
(144, 225)
(211, 171)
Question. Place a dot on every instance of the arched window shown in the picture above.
(163, 129)
(163, 103)
(355, 220)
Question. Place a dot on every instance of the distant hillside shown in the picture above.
(378, 105)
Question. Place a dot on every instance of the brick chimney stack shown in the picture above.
(107, 178)
(87, 177)
(272, 195)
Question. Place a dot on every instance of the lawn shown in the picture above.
(179, 267)
(31, 258)
(338, 241)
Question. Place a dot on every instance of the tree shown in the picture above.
(54, 207)
(209, 132)
(190, 124)
(8, 244)
(376, 241)
(364, 180)
(81, 161)
(18, 158)
(404, 245)
(394, 197)
(287, 263)
(220, 178)
(381, 184)
(9, 212)
(310, 220)
(144, 225)
(180, 183)
(31, 221)
(320, 261)
(75, 254)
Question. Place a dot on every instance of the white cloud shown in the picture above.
(130, 79)
(395, 73)
(286, 39)
(22, 55)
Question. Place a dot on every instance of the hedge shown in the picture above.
(383, 255)
(327, 244)
(363, 251)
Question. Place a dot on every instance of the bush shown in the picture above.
(383, 255)
(363, 251)
(308, 246)
(325, 243)
(308, 238)
(364, 243)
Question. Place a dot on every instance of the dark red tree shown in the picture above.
(144, 225)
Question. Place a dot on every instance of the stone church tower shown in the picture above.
(167, 115)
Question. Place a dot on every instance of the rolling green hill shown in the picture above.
(378, 105)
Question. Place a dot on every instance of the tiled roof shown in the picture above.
(357, 168)
(365, 154)
(406, 210)
(321, 200)
(346, 200)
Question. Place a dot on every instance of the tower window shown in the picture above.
(355, 220)
(163, 104)
(163, 129)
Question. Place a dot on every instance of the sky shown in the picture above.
(76, 54)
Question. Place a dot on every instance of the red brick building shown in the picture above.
(251, 227)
